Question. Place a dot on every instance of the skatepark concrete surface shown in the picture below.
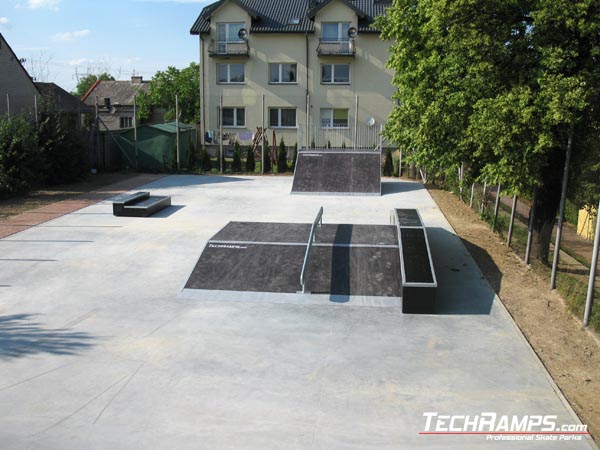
(99, 351)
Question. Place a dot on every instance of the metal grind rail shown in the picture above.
(311, 239)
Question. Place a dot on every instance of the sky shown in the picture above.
(64, 39)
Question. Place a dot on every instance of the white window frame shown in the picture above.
(227, 26)
(341, 37)
(333, 74)
(280, 65)
(222, 44)
(331, 113)
(229, 73)
(279, 109)
(235, 119)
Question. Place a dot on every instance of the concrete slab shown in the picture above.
(97, 352)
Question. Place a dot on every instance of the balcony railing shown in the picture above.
(226, 49)
(336, 48)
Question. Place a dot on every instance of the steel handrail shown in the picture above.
(311, 240)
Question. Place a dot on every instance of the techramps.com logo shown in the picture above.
(497, 427)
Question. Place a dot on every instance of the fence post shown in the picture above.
(561, 213)
(472, 195)
(262, 145)
(307, 119)
(483, 199)
(512, 221)
(177, 127)
(530, 227)
(35, 106)
(589, 301)
(400, 164)
(356, 122)
(221, 133)
(135, 141)
(496, 208)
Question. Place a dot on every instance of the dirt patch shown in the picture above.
(48, 196)
(21, 213)
(570, 353)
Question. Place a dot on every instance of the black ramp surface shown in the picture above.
(299, 232)
(257, 268)
(408, 218)
(415, 256)
(333, 270)
(341, 172)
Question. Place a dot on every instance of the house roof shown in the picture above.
(119, 92)
(20, 64)
(171, 127)
(61, 99)
(275, 16)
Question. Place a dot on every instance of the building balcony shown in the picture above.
(222, 49)
(336, 48)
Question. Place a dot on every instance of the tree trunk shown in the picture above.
(546, 206)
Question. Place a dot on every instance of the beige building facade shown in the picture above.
(314, 74)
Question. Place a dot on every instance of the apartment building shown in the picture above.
(312, 71)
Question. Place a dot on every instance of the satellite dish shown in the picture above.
(370, 121)
(352, 32)
(243, 34)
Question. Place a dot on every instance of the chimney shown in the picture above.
(136, 79)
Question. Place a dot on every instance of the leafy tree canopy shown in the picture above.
(162, 90)
(501, 85)
(86, 82)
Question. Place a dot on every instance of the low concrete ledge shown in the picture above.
(418, 281)
(140, 204)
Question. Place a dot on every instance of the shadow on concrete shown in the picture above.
(462, 289)
(167, 212)
(190, 180)
(340, 266)
(397, 187)
(20, 336)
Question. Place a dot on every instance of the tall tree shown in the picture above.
(162, 90)
(86, 82)
(500, 85)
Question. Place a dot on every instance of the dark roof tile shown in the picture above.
(275, 16)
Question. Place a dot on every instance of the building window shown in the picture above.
(234, 117)
(334, 118)
(226, 33)
(335, 31)
(283, 73)
(126, 122)
(282, 117)
(231, 73)
(335, 73)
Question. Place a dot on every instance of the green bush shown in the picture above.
(388, 165)
(295, 158)
(267, 161)
(250, 163)
(61, 150)
(205, 160)
(282, 158)
(223, 165)
(236, 164)
(20, 161)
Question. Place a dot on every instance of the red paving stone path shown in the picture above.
(29, 219)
